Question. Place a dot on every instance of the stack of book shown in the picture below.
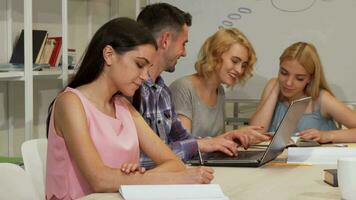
(46, 50)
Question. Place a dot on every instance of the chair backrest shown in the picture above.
(15, 183)
(34, 154)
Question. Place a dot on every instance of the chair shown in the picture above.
(34, 153)
(15, 183)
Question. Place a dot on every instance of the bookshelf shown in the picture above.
(25, 111)
(27, 75)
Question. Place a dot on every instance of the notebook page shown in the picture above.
(173, 192)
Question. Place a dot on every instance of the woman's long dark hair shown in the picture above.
(123, 35)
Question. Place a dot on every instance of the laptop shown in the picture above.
(256, 158)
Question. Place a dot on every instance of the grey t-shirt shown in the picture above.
(206, 120)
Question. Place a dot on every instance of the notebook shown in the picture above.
(172, 192)
(257, 158)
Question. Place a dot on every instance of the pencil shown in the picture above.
(200, 158)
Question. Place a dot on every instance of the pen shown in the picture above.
(340, 145)
(200, 158)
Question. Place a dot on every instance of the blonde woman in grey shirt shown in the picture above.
(227, 57)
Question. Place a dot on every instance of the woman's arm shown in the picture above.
(330, 107)
(264, 112)
(345, 135)
(336, 136)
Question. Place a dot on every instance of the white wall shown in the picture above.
(272, 25)
(47, 16)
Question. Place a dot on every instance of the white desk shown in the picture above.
(267, 182)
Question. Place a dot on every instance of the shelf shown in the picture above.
(16, 75)
(54, 73)
(51, 73)
(48, 72)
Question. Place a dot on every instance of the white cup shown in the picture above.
(346, 175)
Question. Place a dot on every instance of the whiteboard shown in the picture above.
(273, 25)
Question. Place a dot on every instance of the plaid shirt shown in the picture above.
(156, 107)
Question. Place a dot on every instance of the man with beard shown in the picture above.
(169, 26)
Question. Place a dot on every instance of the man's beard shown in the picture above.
(170, 69)
(171, 66)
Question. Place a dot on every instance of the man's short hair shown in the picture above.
(159, 16)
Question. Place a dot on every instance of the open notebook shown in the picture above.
(173, 192)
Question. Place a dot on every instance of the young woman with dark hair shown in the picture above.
(94, 133)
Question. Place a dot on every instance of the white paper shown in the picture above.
(318, 155)
(172, 192)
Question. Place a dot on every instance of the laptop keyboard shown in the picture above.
(242, 155)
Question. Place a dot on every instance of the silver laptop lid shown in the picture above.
(285, 129)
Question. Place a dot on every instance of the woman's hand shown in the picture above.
(129, 168)
(316, 135)
(197, 175)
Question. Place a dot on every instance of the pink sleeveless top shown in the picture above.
(115, 140)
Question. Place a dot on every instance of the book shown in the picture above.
(173, 192)
(54, 59)
(300, 142)
(330, 177)
(38, 41)
(47, 51)
(40, 44)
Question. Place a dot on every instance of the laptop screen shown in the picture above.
(285, 129)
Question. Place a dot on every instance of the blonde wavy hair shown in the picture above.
(307, 55)
(210, 53)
